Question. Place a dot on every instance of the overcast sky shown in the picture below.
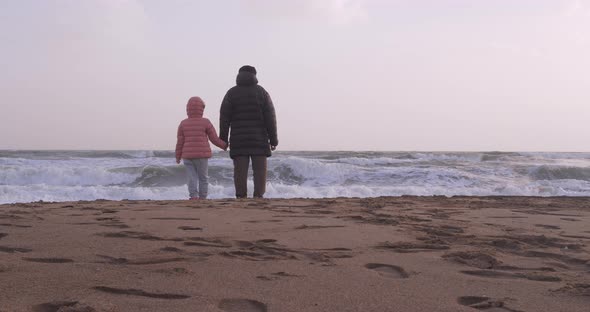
(460, 75)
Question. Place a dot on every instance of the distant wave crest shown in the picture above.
(561, 173)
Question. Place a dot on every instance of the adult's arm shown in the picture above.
(225, 118)
(270, 119)
(179, 142)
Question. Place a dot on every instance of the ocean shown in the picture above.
(28, 176)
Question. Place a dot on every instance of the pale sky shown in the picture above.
(433, 75)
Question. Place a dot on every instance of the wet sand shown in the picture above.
(377, 254)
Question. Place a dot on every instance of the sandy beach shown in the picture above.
(376, 254)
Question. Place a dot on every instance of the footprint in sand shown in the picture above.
(410, 247)
(13, 249)
(473, 258)
(576, 289)
(139, 292)
(49, 260)
(207, 242)
(190, 228)
(471, 300)
(547, 226)
(387, 270)
(275, 276)
(242, 305)
(559, 257)
(107, 219)
(171, 249)
(175, 218)
(117, 225)
(112, 222)
(260, 221)
(15, 225)
(136, 235)
(570, 219)
(12, 217)
(261, 250)
(174, 271)
(498, 274)
(575, 236)
(484, 303)
(315, 227)
(58, 306)
(145, 261)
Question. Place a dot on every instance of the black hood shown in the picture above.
(246, 79)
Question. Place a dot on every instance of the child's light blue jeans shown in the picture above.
(197, 170)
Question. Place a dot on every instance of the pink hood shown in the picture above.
(195, 107)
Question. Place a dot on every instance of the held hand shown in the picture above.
(272, 147)
(178, 161)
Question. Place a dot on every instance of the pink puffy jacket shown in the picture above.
(195, 132)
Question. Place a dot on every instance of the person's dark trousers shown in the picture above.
(241, 165)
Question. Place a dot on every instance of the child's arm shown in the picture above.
(212, 134)
(179, 143)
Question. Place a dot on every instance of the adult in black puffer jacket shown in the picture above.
(247, 116)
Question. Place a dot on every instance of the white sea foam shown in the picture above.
(66, 176)
(377, 161)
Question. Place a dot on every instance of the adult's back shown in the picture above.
(247, 116)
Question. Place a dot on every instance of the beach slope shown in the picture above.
(343, 254)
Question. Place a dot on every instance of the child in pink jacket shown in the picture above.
(192, 146)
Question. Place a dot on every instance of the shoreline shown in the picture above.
(309, 198)
(406, 253)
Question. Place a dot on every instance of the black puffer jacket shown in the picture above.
(248, 116)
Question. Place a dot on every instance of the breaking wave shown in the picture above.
(27, 176)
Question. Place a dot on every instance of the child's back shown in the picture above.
(195, 132)
(192, 146)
